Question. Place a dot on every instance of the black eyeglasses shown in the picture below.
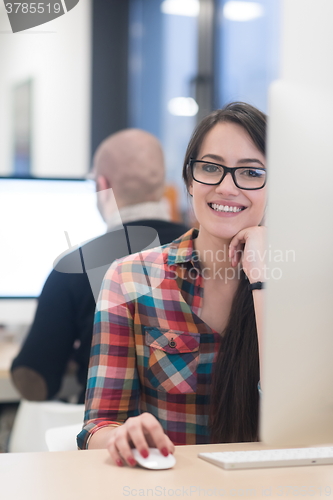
(213, 174)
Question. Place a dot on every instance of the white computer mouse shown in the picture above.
(155, 460)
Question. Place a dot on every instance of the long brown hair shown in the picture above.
(234, 395)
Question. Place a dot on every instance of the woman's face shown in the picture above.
(228, 144)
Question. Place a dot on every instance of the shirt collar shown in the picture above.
(182, 250)
(148, 210)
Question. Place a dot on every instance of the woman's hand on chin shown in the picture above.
(248, 247)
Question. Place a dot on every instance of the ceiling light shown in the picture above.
(242, 11)
(181, 7)
(183, 106)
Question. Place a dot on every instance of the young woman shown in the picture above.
(175, 356)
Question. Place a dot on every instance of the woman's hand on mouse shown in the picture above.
(248, 247)
(140, 432)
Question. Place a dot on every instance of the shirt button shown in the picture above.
(172, 343)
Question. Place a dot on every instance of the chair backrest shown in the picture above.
(62, 438)
(33, 419)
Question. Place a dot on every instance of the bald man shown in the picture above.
(131, 163)
(128, 169)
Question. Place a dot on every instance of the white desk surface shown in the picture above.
(89, 475)
(8, 351)
(9, 348)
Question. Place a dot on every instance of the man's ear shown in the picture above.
(102, 183)
(104, 194)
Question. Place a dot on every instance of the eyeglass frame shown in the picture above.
(226, 170)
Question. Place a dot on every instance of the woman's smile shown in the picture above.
(226, 208)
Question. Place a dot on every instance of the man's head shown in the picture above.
(131, 163)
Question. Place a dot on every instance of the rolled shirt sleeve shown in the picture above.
(113, 388)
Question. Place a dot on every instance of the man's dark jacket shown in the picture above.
(63, 324)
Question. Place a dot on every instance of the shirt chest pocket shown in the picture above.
(173, 360)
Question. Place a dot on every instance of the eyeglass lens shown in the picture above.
(246, 177)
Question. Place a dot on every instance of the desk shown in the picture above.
(89, 475)
(9, 348)
(8, 351)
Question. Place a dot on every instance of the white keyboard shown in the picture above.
(257, 459)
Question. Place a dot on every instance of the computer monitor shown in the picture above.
(297, 374)
(297, 378)
(40, 219)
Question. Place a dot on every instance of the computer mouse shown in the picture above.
(155, 459)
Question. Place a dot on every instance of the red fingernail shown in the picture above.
(144, 453)
(131, 461)
(119, 463)
(165, 452)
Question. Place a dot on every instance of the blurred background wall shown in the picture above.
(56, 59)
(160, 65)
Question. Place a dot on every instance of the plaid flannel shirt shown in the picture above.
(151, 352)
